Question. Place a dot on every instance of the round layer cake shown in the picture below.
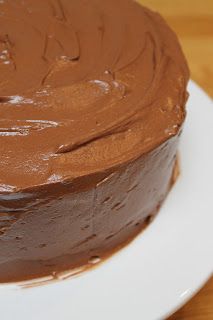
(92, 103)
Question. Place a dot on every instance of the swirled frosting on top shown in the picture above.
(85, 85)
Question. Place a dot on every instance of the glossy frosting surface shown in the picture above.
(84, 86)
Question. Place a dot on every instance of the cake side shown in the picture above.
(66, 230)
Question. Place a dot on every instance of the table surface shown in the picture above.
(192, 20)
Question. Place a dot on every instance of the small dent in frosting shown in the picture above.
(94, 260)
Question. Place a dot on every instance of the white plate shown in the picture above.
(162, 268)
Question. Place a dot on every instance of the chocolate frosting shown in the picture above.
(84, 86)
(92, 103)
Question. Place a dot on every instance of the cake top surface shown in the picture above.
(85, 85)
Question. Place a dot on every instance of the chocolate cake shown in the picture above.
(92, 104)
